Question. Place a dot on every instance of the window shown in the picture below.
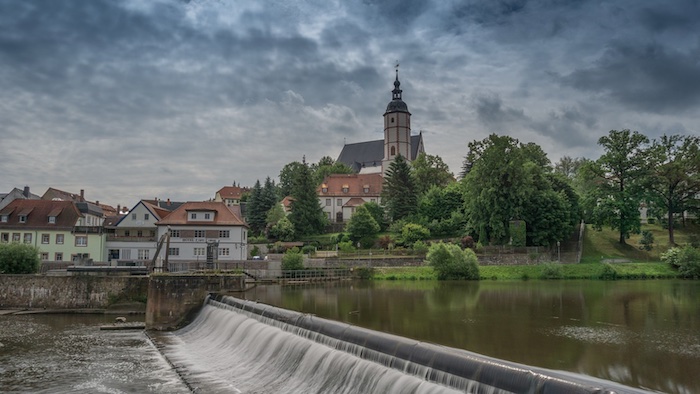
(5, 237)
(133, 216)
(3, 218)
(175, 233)
(346, 189)
(392, 120)
(44, 256)
(223, 251)
(244, 235)
(207, 216)
(27, 238)
(146, 216)
(199, 233)
(373, 199)
(58, 256)
(45, 238)
(153, 233)
(339, 202)
(15, 237)
(193, 216)
(126, 254)
(174, 252)
(144, 253)
(224, 234)
(23, 218)
(328, 202)
(59, 239)
(324, 190)
(81, 240)
(127, 233)
(52, 219)
(365, 189)
(393, 151)
(139, 233)
(200, 251)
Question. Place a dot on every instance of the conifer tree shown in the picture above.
(399, 191)
(307, 215)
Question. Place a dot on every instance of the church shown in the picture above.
(341, 194)
(372, 157)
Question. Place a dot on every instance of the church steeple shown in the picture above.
(397, 127)
(396, 93)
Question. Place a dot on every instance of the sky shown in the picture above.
(133, 100)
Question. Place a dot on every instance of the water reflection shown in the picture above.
(640, 333)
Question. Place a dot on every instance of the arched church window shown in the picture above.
(393, 150)
(392, 120)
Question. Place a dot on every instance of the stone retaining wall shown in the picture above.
(69, 292)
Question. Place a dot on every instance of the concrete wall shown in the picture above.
(173, 300)
(68, 292)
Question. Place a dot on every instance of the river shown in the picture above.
(643, 334)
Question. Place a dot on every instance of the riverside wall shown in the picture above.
(174, 300)
(69, 292)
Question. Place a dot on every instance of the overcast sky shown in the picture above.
(175, 99)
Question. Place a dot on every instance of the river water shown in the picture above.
(644, 334)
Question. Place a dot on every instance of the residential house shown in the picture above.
(58, 228)
(196, 227)
(131, 238)
(341, 194)
(231, 195)
(60, 195)
(16, 194)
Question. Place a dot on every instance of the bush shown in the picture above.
(451, 262)
(608, 272)
(255, 251)
(411, 232)
(647, 241)
(293, 260)
(367, 242)
(364, 272)
(385, 242)
(686, 260)
(467, 242)
(346, 246)
(261, 239)
(551, 271)
(17, 258)
(420, 248)
(308, 249)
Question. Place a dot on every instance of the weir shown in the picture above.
(255, 347)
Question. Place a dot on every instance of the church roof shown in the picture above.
(371, 153)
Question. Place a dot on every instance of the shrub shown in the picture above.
(308, 249)
(364, 272)
(385, 241)
(551, 271)
(17, 258)
(608, 272)
(255, 251)
(367, 242)
(451, 262)
(647, 241)
(261, 239)
(292, 260)
(420, 248)
(346, 246)
(686, 260)
(467, 242)
(412, 232)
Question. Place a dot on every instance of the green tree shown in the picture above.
(362, 225)
(509, 181)
(568, 167)
(377, 213)
(17, 258)
(283, 230)
(274, 215)
(327, 166)
(399, 192)
(288, 176)
(451, 262)
(442, 210)
(412, 232)
(255, 210)
(307, 215)
(621, 171)
(429, 171)
(674, 179)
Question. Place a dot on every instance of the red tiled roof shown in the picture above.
(356, 183)
(38, 212)
(223, 215)
(354, 202)
(232, 191)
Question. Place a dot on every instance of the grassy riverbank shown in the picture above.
(541, 271)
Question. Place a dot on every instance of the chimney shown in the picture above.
(168, 202)
(97, 202)
(82, 194)
(26, 192)
(119, 209)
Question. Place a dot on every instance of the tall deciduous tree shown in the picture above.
(674, 181)
(399, 192)
(307, 215)
(568, 166)
(621, 171)
(429, 171)
(288, 174)
(362, 225)
(327, 166)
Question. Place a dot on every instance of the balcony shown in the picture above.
(87, 230)
(117, 238)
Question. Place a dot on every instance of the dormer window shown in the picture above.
(4, 218)
(366, 189)
(23, 218)
(52, 219)
(324, 188)
(346, 189)
(207, 216)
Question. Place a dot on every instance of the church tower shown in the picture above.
(397, 128)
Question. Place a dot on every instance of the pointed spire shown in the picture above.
(396, 93)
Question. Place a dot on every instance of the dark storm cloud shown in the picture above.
(651, 77)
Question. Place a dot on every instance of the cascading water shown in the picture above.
(242, 346)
